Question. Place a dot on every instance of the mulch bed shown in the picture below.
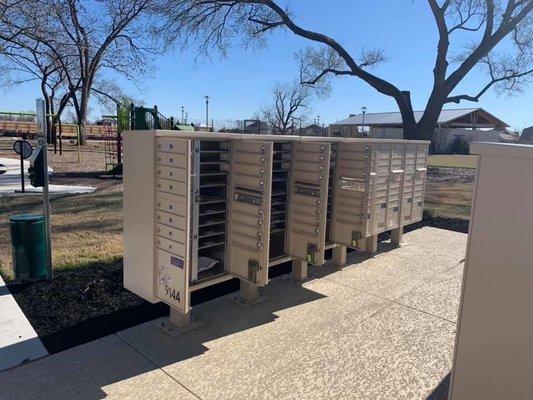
(82, 305)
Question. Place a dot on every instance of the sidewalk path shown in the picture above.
(18, 340)
(381, 328)
(10, 180)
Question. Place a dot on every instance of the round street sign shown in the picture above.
(24, 147)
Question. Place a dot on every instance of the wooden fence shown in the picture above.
(20, 128)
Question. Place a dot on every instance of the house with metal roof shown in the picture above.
(527, 135)
(472, 124)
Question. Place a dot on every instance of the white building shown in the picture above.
(473, 124)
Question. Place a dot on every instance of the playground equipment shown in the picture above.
(134, 118)
(143, 119)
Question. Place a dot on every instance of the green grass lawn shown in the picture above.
(86, 229)
(452, 160)
(450, 200)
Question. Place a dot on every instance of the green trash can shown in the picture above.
(29, 247)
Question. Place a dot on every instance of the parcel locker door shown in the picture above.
(249, 210)
(408, 183)
(353, 182)
(397, 153)
(420, 181)
(173, 202)
(308, 201)
(380, 190)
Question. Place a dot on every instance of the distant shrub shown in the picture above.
(460, 145)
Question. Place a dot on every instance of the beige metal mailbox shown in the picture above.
(200, 208)
(378, 186)
(494, 342)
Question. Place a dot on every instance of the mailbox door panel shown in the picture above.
(308, 201)
(420, 182)
(353, 182)
(249, 210)
(173, 209)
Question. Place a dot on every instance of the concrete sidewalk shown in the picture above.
(382, 328)
(10, 181)
(19, 342)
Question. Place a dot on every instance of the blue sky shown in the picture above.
(240, 83)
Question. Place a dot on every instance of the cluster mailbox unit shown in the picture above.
(201, 208)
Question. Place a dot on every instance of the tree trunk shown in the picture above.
(408, 116)
(47, 119)
(82, 116)
(429, 120)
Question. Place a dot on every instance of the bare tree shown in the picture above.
(216, 23)
(7, 15)
(27, 64)
(289, 108)
(110, 95)
(83, 41)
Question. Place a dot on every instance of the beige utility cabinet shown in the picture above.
(494, 343)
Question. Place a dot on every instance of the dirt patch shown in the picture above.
(99, 180)
(451, 175)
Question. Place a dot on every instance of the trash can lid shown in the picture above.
(26, 218)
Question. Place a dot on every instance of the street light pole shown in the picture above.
(207, 112)
(182, 114)
(363, 127)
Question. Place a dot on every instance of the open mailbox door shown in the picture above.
(353, 182)
(249, 210)
(308, 201)
(172, 214)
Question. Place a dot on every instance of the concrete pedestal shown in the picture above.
(299, 270)
(249, 292)
(372, 244)
(396, 236)
(339, 256)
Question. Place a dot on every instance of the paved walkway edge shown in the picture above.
(19, 342)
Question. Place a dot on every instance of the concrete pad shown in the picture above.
(396, 353)
(370, 331)
(106, 368)
(393, 274)
(273, 335)
(19, 342)
(439, 296)
(439, 240)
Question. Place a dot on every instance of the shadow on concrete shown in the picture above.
(21, 352)
(89, 371)
(85, 372)
(441, 391)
